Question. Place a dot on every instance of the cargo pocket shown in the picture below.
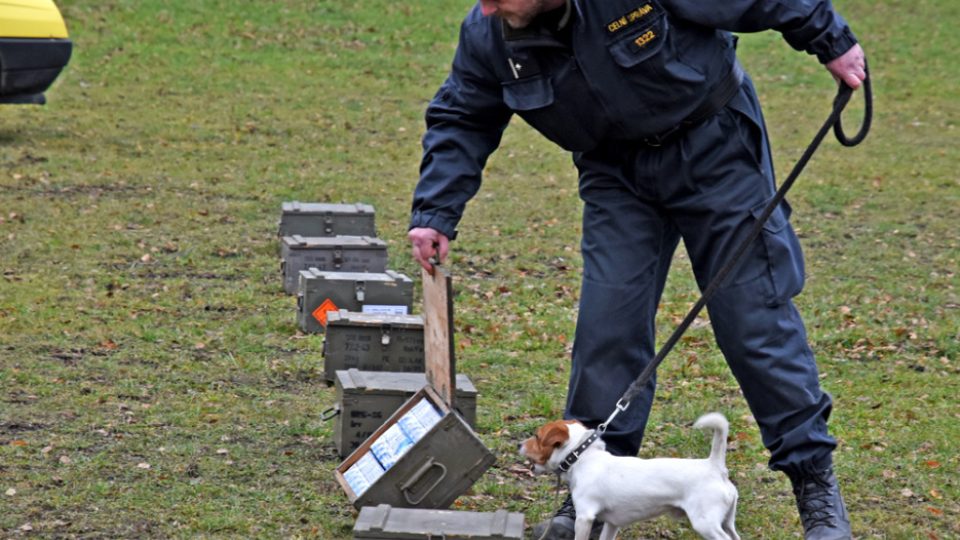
(637, 46)
(650, 62)
(784, 255)
(750, 129)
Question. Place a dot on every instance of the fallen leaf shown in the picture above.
(65, 460)
(933, 464)
(18, 442)
(935, 511)
(906, 492)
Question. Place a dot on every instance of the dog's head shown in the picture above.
(551, 443)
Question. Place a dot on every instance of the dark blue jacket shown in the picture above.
(630, 69)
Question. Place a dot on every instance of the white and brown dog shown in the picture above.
(621, 490)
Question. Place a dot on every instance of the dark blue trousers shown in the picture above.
(705, 188)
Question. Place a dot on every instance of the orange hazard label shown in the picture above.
(320, 314)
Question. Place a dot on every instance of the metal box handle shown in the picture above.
(417, 476)
(360, 289)
(330, 413)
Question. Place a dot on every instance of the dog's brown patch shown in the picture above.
(549, 437)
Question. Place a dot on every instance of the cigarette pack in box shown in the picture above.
(425, 413)
(364, 473)
(412, 427)
(391, 446)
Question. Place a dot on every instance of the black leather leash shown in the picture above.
(833, 121)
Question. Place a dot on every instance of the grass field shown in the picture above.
(152, 380)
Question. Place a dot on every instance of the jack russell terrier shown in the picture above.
(620, 490)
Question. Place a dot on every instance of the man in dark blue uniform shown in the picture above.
(669, 141)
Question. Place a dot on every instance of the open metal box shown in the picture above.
(429, 468)
(365, 399)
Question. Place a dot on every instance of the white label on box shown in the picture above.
(391, 446)
(377, 309)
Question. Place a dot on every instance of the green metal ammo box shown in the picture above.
(386, 293)
(334, 253)
(423, 456)
(383, 521)
(326, 219)
(372, 342)
(365, 399)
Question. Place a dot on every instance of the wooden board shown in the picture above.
(438, 333)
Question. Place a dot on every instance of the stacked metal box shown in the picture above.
(407, 450)
(376, 293)
(332, 253)
(371, 342)
(326, 219)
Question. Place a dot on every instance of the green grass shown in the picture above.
(152, 380)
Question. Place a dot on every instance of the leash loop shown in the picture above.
(840, 101)
(843, 97)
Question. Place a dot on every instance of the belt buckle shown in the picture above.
(656, 141)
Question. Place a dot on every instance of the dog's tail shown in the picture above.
(720, 427)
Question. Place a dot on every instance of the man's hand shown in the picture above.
(850, 67)
(428, 243)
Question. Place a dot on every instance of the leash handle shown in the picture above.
(843, 97)
(839, 102)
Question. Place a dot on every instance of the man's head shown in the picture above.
(517, 13)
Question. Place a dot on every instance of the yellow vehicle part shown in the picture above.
(31, 19)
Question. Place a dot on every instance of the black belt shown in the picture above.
(720, 95)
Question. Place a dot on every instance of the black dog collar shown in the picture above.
(574, 456)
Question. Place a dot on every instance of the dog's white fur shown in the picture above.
(621, 490)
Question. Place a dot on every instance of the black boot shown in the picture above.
(821, 506)
(561, 525)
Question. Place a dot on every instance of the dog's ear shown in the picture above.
(554, 435)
